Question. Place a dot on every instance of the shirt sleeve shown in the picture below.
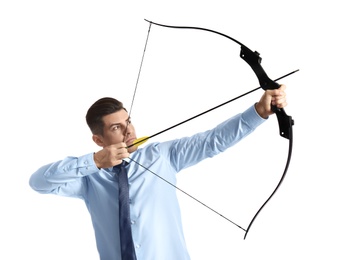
(64, 177)
(188, 151)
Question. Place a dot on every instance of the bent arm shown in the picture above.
(64, 177)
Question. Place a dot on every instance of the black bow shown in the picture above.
(285, 121)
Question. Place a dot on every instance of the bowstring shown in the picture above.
(139, 72)
(146, 168)
(187, 194)
(137, 81)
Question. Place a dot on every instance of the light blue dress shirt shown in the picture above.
(155, 213)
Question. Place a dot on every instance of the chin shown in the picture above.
(132, 149)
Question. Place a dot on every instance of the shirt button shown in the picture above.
(132, 222)
(137, 246)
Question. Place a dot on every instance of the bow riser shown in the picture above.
(285, 122)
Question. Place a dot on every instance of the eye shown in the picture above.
(115, 127)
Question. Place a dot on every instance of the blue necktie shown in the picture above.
(127, 246)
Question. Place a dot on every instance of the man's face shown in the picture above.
(118, 128)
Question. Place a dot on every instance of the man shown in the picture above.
(154, 209)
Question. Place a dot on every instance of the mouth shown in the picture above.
(130, 141)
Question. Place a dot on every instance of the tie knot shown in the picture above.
(121, 165)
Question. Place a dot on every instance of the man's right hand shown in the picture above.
(111, 155)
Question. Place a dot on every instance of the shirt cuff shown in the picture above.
(252, 118)
(86, 164)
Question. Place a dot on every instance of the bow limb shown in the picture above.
(278, 185)
(195, 28)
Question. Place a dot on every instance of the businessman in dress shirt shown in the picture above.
(154, 209)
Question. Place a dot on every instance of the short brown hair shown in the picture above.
(98, 110)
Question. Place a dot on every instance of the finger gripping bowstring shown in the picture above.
(285, 121)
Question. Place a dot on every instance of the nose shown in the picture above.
(128, 130)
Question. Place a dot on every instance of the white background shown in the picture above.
(57, 57)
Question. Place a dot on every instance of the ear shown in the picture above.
(98, 140)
